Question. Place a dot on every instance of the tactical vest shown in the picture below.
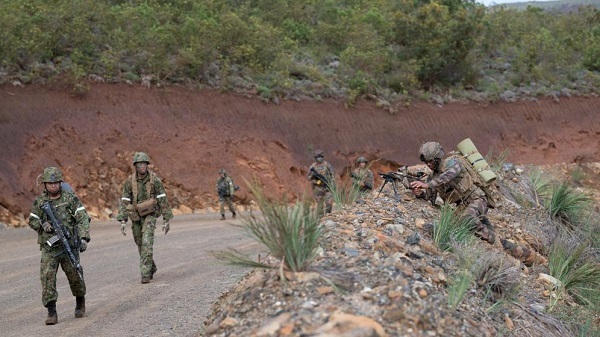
(147, 206)
(469, 184)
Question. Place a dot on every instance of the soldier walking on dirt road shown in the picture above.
(55, 203)
(144, 200)
(320, 175)
(225, 190)
(454, 185)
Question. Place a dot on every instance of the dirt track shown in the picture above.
(190, 134)
(174, 304)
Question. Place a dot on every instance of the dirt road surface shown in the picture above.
(174, 304)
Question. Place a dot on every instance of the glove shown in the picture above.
(123, 226)
(47, 227)
(166, 227)
(82, 246)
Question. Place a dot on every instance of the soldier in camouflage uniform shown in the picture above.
(362, 176)
(143, 200)
(453, 184)
(321, 192)
(74, 218)
(225, 190)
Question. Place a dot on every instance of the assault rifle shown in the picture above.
(402, 175)
(62, 235)
(319, 177)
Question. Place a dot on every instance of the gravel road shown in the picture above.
(175, 303)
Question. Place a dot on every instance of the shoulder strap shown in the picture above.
(134, 189)
(150, 186)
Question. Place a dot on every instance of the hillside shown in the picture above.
(191, 134)
(397, 51)
(381, 271)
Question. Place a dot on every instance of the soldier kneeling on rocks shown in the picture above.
(451, 181)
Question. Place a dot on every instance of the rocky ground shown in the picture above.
(380, 274)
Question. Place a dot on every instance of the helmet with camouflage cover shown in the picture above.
(431, 151)
(222, 171)
(319, 153)
(361, 160)
(140, 157)
(52, 175)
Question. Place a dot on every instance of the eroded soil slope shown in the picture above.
(191, 134)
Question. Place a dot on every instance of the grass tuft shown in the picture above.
(451, 228)
(344, 193)
(539, 186)
(290, 233)
(579, 275)
(566, 204)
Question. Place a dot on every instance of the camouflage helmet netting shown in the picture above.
(52, 175)
(140, 157)
(431, 151)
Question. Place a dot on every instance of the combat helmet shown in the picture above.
(140, 157)
(319, 153)
(431, 151)
(361, 159)
(52, 175)
(222, 171)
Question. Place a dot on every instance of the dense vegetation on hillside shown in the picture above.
(325, 48)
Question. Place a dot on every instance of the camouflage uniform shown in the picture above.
(321, 192)
(225, 190)
(143, 226)
(363, 177)
(75, 219)
(454, 185)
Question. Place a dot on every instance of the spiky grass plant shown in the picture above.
(496, 161)
(452, 227)
(566, 204)
(290, 233)
(458, 285)
(539, 186)
(344, 193)
(579, 275)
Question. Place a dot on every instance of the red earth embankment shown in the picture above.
(191, 134)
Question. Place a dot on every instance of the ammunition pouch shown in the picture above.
(133, 214)
(146, 207)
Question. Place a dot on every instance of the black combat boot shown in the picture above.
(146, 279)
(52, 316)
(153, 271)
(222, 216)
(233, 215)
(79, 306)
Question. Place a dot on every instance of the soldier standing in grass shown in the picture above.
(321, 191)
(75, 220)
(225, 190)
(453, 184)
(143, 200)
(362, 176)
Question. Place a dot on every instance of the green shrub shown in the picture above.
(538, 186)
(344, 192)
(579, 276)
(451, 228)
(458, 286)
(290, 233)
(567, 204)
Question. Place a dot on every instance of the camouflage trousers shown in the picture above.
(226, 200)
(51, 259)
(143, 235)
(323, 197)
(476, 210)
